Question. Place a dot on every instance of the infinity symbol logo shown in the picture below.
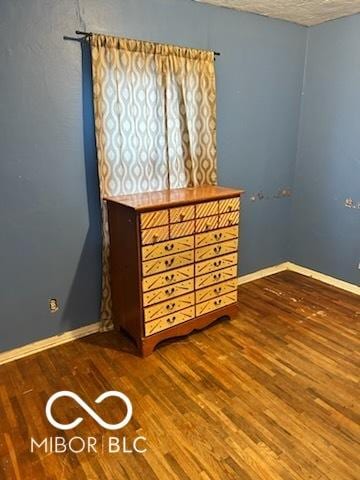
(90, 411)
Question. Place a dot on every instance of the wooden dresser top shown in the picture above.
(142, 202)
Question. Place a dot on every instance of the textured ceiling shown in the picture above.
(305, 12)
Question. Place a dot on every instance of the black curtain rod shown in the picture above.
(90, 34)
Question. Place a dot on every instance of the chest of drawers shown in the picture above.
(173, 261)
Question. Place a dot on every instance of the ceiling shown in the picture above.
(304, 12)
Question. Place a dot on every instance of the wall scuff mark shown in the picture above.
(350, 203)
(281, 193)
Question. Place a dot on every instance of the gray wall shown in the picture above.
(50, 224)
(326, 233)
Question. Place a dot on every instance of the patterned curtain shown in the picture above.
(155, 123)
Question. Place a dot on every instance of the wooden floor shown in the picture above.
(272, 394)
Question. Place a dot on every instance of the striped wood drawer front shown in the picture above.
(168, 307)
(227, 219)
(154, 235)
(229, 205)
(154, 219)
(168, 238)
(207, 223)
(166, 293)
(221, 235)
(215, 277)
(165, 248)
(216, 303)
(215, 290)
(206, 209)
(215, 250)
(169, 321)
(215, 264)
(167, 278)
(150, 267)
(182, 229)
(182, 214)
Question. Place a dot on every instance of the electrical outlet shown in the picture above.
(53, 305)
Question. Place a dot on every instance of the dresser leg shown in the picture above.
(146, 348)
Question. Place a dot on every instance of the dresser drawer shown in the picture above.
(165, 248)
(154, 219)
(166, 293)
(227, 219)
(154, 235)
(216, 303)
(215, 290)
(205, 224)
(229, 205)
(182, 214)
(215, 250)
(215, 277)
(162, 264)
(168, 307)
(182, 229)
(220, 235)
(169, 321)
(206, 209)
(167, 278)
(208, 266)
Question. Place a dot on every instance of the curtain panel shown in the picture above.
(155, 123)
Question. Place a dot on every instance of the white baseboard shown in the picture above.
(50, 342)
(335, 282)
(40, 345)
(265, 272)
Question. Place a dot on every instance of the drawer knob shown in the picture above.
(207, 226)
(168, 248)
(170, 278)
(218, 236)
(217, 249)
(229, 208)
(170, 306)
(218, 302)
(182, 216)
(170, 291)
(217, 290)
(229, 222)
(217, 264)
(168, 263)
(155, 238)
(217, 276)
(171, 319)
